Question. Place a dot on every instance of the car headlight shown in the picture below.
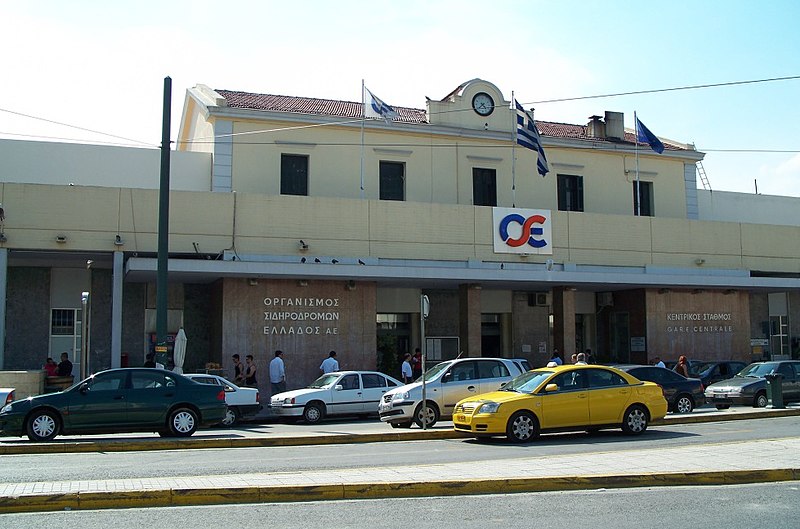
(288, 400)
(739, 391)
(489, 407)
(400, 396)
(6, 409)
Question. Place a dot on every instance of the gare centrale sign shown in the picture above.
(522, 231)
(699, 322)
(301, 315)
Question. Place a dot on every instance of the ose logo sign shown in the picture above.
(522, 231)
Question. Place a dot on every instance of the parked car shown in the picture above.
(118, 400)
(445, 384)
(242, 402)
(6, 396)
(562, 398)
(336, 393)
(682, 394)
(711, 372)
(749, 387)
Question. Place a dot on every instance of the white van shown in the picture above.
(445, 384)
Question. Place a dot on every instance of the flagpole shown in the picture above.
(636, 137)
(514, 153)
(363, 118)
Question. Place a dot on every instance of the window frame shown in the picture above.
(290, 176)
(484, 180)
(645, 190)
(386, 185)
(568, 185)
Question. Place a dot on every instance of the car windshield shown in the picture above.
(435, 371)
(324, 381)
(527, 382)
(758, 370)
(699, 367)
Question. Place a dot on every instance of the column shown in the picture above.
(469, 321)
(116, 310)
(564, 321)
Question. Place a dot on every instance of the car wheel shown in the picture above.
(313, 413)
(761, 400)
(182, 422)
(635, 420)
(522, 426)
(722, 406)
(42, 426)
(429, 413)
(405, 424)
(684, 404)
(231, 417)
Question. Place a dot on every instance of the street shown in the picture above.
(717, 507)
(209, 462)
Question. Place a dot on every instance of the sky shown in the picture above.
(101, 65)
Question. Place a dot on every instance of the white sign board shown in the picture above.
(522, 231)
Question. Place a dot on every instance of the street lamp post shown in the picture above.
(84, 359)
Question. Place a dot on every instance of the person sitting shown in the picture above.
(65, 366)
(50, 367)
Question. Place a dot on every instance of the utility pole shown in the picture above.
(162, 277)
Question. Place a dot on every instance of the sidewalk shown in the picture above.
(716, 464)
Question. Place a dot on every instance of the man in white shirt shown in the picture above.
(277, 373)
(329, 364)
(581, 359)
(658, 362)
(406, 371)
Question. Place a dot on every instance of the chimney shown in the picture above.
(596, 128)
(615, 128)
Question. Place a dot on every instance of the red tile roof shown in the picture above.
(354, 110)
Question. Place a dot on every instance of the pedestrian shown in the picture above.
(580, 359)
(330, 364)
(405, 371)
(681, 368)
(250, 372)
(589, 356)
(277, 373)
(149, 360)
(573, 359)
(51, 367)
(556, 358)
(65, 366)
(658, 362)
(238, 370)
(416, 364)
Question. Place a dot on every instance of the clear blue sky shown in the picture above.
(100, 65)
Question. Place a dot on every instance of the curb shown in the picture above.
(351, 491)
(126, 445)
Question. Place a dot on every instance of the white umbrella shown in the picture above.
(179, 351)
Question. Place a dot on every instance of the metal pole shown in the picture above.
(84, 359)
(422, 316)
(162, 277)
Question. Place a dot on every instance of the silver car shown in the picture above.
(445, 384)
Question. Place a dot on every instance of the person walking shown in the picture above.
(277, 373)
(406, 371)
(681, 368)
(250, 372)
(416, 364)
(658, 362)
(556, 358)
(330, 364)
(238, 370)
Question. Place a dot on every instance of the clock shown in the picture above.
(483, 104)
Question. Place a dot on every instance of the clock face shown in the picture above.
(483, 104)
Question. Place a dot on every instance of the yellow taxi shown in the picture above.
(562, 398)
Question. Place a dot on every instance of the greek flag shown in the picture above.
(528, 137)
(375, 108)
(643, 135)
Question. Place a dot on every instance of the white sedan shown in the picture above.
(241, 401)
(337, 393)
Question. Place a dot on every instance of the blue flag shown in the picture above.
(528, 136)
(643, 135)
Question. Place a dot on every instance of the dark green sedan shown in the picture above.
(118, 400)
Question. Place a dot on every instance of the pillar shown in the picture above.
(564, 321)
(469, 321)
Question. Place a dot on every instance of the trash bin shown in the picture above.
(774, 390)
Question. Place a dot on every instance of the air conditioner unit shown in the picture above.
(605, 299)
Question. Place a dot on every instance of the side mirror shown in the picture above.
(550, 388)
(504, 384)
(338, 387)
(84, 388)
(447, 377)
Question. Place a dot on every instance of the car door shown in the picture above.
(99, 403)
(347, 398)
(609, 395)
(661, 377)
(373, 385)
(492, 374)
(788, 381)
(459, 382)
(151, 396)
(569, 404)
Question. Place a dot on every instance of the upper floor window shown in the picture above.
(392, 181)
(643, 198)
(294, 174)
(570, 192)
(484, 187)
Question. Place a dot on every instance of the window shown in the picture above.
(62, 322)
(145, 380)
(371, 380)
(570, 192)
(570, 381)
(463, 371)
(484, 187)
(350, 382)
(294, 174)
(392, 181)
(643, 200)
(600, 378)
(108, 382)
(492, 369)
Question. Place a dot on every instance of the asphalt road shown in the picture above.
(723, 507)
(131, 465)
